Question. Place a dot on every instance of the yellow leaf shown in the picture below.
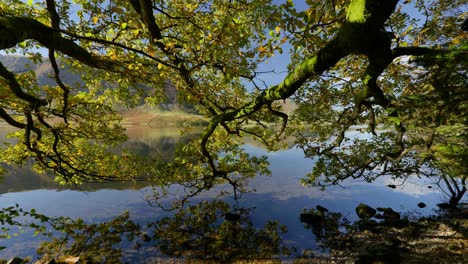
(456, 41)
(95, 19)
(407, 30)
(277, 29)
(160, 66)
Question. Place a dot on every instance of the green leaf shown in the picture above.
(23, 44)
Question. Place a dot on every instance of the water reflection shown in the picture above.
(212, 230)
(279, 197)
(144, 141)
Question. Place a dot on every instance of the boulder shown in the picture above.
(389, 214)
(444, 206)
(379, 216)
(364, 211)
(421, 205)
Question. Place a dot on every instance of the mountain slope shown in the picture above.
(43, 71)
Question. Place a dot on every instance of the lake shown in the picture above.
(278, 197)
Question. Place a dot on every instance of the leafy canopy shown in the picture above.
(352, 63)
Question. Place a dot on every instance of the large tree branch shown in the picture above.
(362, 33)
(14, 30)
(15, 88)
(10, 120)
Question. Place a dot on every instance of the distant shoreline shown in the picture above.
(152, 119)
(159, 119)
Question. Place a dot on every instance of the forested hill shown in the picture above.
(44, 74)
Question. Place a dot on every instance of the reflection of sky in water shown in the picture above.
(278, 197)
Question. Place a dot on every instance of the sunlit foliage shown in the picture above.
(398, 69)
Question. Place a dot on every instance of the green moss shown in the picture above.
(309, 64)
(287, 87)
(356, 12)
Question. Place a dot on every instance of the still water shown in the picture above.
(277, 197)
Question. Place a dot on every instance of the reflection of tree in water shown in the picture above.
(162, 147)
(91, 242)
(325, 225)
(206, 231)
(24, 178)
(209, 230)
(214, 231)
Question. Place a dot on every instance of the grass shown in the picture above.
(158, 119)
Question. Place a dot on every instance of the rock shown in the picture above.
(71, 260)
(321, 209)
(421, 205)
(308, 253)
(379, 216)
(311, 218)
(366, 224)
(393, 186)
(388, 213)
(16, 260)
(444, 206)
(364, 211)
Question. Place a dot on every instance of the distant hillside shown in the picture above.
(44, 74)
(20, 64)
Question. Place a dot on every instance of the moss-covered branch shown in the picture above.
(362, 33)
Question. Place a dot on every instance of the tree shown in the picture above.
(353, 62)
